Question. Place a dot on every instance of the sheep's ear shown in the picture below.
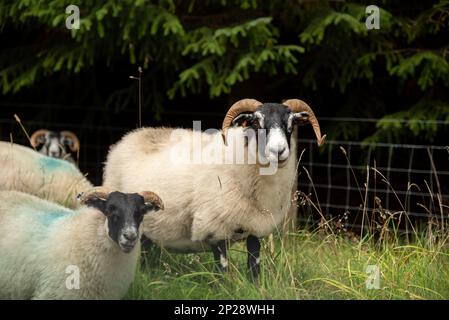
(152, 202)
(93, 199)
(70, 140)
(97, 203)
(301, 118)
(244, 120)
(149, 207)
(152, 206)
(38, 137)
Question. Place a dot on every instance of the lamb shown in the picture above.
(23, 169)
(209, 205)
(51, 252)
(56, 144)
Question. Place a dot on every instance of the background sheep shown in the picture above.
(26, 170)
(41, 243)
(209, 204)
(55, 144)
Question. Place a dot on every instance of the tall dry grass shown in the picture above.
(324, 261)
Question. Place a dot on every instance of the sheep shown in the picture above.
(209, 205)
(56, 144)
(50, 252)
(23, 169)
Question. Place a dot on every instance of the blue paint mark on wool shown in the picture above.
(53, 164)
(48, 218)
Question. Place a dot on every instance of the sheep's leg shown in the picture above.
(220, 254)
(150, 253)
(253, 246)
(146, 243)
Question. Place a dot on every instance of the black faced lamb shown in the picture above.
(50, 252)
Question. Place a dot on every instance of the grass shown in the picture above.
(322, 264)
(303, 265)
(327, 263)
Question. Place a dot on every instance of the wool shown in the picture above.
(23, 169)
(204, 203)
(40, 240)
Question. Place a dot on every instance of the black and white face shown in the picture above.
(124, 213)
(54, 144)
(278, 122)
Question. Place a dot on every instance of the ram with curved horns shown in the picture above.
(56, 144)
(209, 205)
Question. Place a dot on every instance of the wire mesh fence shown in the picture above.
(353, 179)
(345, 178)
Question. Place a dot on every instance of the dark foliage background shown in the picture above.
(198, 57)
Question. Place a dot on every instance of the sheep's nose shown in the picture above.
(278, 150)
(131, 237)
(54, 154)
(281, 150)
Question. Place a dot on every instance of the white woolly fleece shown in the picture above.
(203, 202)
(40, 242)
(23, 169)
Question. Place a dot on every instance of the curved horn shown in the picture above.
(36, 136)
(96, 192)
(153, 198)
(296, 105)
(76, 143)
(244, 105)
